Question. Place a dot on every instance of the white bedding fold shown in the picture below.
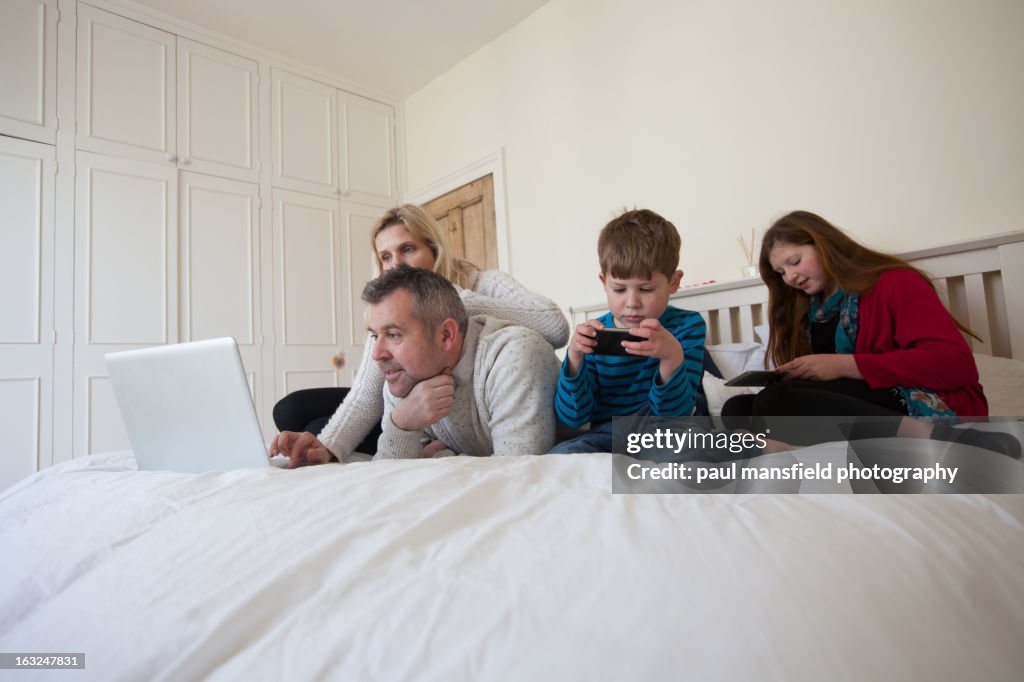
(500, 568)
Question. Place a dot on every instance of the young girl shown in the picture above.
(856, 333)
(404, 235)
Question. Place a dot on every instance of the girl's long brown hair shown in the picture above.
(851, 266)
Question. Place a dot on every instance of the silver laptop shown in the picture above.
(187, 407)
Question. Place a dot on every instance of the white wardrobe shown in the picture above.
(159, 187)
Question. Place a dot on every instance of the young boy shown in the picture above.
(639, 256)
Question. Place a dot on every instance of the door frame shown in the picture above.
(492, 164)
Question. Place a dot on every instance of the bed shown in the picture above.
(515, 567)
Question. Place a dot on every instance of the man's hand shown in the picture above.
(300, 449)
(428, 402)
(822, 367)
(659, 344)
(582, 343)
(433, 447)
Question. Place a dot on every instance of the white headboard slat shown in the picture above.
(1012, 257)
(977, 313)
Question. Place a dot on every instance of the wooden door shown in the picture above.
(467, 213)
(28, 70)
(27, 178)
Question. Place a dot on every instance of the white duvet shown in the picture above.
(518, 568)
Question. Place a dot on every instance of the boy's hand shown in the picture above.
(659, 344)
(582, 343)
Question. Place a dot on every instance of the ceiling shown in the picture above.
(394, 47)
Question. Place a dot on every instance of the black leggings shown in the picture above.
(816, 399)
(801, 412)
(310, 409)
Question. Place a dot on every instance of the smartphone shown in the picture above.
(760, 377)
(609, 341)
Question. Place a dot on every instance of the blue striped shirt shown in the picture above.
(609, 386)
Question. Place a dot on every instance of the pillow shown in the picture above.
(1003, 381)
(761, 331)
(717, 393)
(735, 358)
(709, 365)
(700, 409)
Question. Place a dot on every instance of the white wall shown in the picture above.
(901, 121)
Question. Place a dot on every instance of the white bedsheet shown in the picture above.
(517, 568)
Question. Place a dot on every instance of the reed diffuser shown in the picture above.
(750, 269)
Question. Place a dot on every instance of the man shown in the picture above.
(454, 385)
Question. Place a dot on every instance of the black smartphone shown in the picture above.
(758, 377)
(609, 341)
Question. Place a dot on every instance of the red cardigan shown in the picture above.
(908, 338)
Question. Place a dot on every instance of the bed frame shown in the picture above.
(980, 280)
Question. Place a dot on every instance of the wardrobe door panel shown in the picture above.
(27, 180)
(357, 222)
(304, 134)
(220, 256)
(126, 87)
(220, 271)
(367, 133)
(28, 70)
(310, 261)
(217, 112)
(126, 281)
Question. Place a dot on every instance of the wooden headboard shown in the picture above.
(981, 281)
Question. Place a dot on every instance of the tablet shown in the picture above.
(760, 377)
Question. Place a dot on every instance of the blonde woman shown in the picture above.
(405, 235)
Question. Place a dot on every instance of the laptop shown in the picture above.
(187, 407)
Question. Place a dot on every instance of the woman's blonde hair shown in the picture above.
(422, 226)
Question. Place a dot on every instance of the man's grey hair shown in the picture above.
(435, 299)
